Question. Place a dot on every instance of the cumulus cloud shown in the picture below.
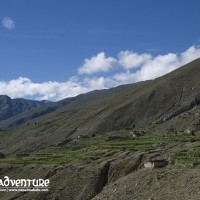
(157, 66)
(147, 67)
(8, 23)
(96, 83)
(129, 59)
(98, 63)
(190, 54)
(52, 90)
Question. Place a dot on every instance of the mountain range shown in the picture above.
(141, 105)
(11, 107)
(89, 139)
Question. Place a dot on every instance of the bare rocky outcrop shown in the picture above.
(97, 183)
(122, 167)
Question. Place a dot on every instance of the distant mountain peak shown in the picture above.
(11, 107)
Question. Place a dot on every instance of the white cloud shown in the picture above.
(8, 23)
(124, 78)
(129, 59)
(98, 63)
(190, 54)
(149, 68)
(24, 87)
(96, 83)
(158, 66)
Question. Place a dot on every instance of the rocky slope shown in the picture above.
(100, 173)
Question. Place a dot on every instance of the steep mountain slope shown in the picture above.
(11, 107)
(149, 105)
(77, 103)
(84, 146)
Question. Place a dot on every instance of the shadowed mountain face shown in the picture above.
(11, 107)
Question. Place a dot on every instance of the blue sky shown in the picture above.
(62, 48)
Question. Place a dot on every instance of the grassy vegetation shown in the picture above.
(51, 156)
(88, 149)
(187, 156)
(148, 142)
